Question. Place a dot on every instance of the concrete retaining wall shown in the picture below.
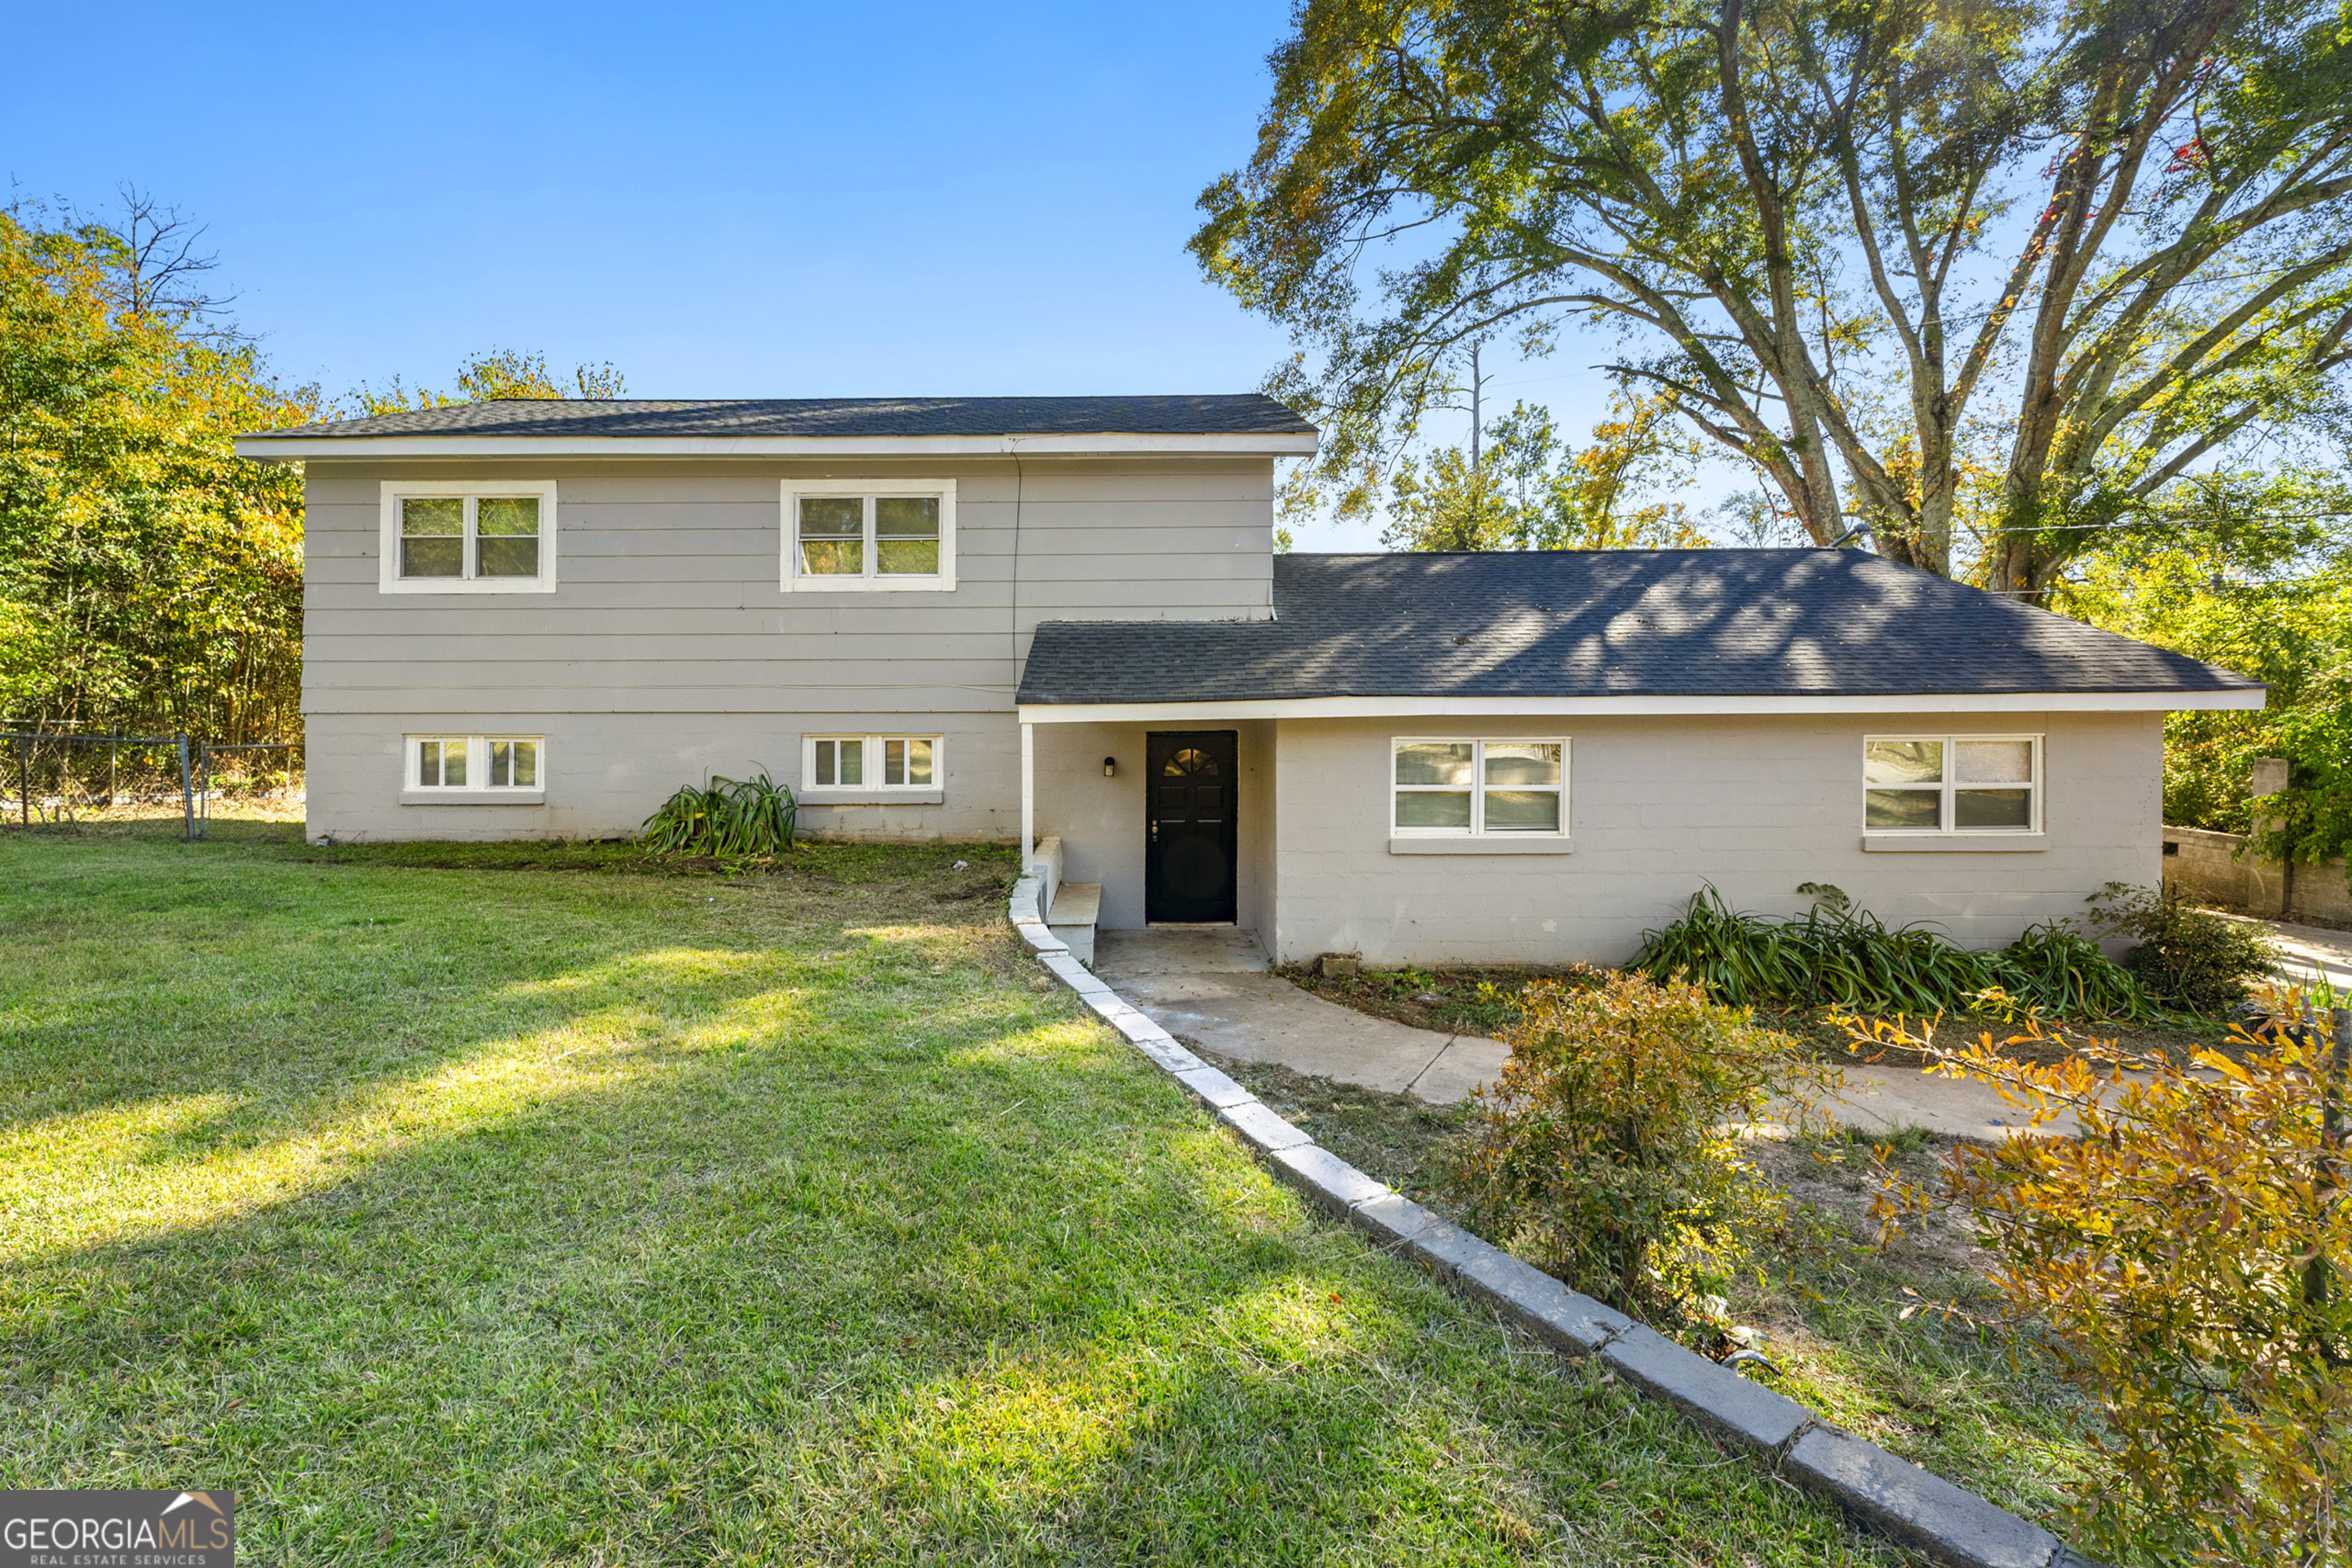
(2209, 866)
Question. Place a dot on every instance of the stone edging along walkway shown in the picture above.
(1889, 1495)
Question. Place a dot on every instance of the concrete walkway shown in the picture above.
(1209, 985)
(2311, 953)
(1885, 1099)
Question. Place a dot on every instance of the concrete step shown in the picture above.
(1077, 905)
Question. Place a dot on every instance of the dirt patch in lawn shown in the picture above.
(1453, 1000)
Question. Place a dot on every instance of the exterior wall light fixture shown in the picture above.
(1110, 767)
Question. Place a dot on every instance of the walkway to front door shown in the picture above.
(1211, 988)
(1190, 872)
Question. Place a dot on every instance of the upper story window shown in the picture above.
(1951, 783)
(1475, 787)
(869, 535)
(463, 536)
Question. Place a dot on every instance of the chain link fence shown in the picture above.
(55, 780)
(247, 773)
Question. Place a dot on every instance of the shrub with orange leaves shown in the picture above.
(2190, 1250)
(1608, 1151)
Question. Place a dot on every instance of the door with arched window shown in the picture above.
(1189, 874)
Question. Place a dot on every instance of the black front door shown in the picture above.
(1188, 854)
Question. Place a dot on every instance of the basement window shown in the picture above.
(879, 763)
(473, 763)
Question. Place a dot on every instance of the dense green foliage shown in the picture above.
(2011, 266)
(2187, 957)
(149, 579)
(1604, 1152)
(2263, 585)
(724, 817)
(501, 372)
(1839, 955)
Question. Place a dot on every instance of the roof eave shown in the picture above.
(1644, 704)
(268, 447)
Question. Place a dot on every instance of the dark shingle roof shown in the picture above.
(1604, 623)
(1239, 413)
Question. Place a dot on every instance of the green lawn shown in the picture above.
(1953, 1387)
(538, 1206)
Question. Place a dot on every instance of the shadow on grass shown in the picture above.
(738, 1306)
(830, 1240)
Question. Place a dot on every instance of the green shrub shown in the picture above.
(1604, 1154)
(726, 817)
(2187, 956)
(1842, 956)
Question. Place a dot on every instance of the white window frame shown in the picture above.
(393, 491)
(872, 581)
(476, 765)
(871, 764)
(1478, 828)
(1947, 811)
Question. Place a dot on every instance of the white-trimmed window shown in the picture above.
(874, 763)
(1446, 788)
(468, 536)
(475, 762)
(864, 536)
(1951, 783)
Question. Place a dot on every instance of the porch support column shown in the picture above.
(1028, 798)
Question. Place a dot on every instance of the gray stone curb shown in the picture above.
(1713, 1395)
(1261, 1128)
(1891, 1496)
(1213, 1088)
(1913, 1506)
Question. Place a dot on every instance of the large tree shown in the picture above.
(2030, 260)
(1525, 489)
(149, 579)
(498, 373)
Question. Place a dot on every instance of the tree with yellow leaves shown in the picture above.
(1527, 490)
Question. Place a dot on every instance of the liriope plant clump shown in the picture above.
(1839, 955)
(727, 818)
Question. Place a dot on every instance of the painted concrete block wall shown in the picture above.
(668, 648)
(606, 774)
(1101, 820)
(1660, 806)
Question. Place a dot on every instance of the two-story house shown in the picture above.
(1010, 617)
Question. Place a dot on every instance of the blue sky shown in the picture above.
(723, 201)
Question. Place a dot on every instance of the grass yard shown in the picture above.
(526, 1206)
(1955, 1391)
